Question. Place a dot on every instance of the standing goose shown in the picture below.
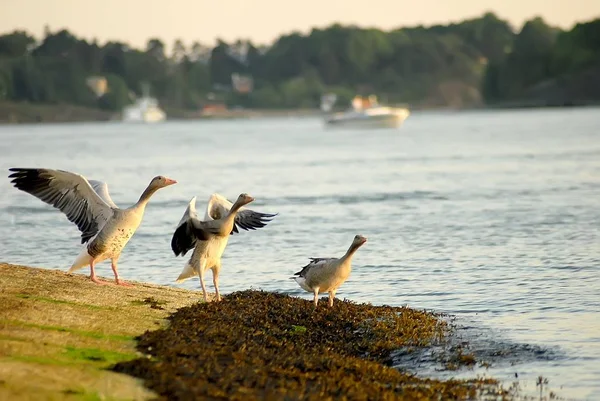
(209, 237)
(105, 228)
(328, 274)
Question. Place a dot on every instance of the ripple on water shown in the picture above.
(488, 215)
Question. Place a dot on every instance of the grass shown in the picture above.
(84, 333)
(59, 334)
(58, 301)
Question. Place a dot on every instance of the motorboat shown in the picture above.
(144, 109)
(368, 114)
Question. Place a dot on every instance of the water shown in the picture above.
(491, 216)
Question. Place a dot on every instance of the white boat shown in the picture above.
(371, 115)
(145, 109)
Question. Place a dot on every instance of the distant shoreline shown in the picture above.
(31, 113)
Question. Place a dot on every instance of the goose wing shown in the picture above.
(315, 263)
(188, 231)
(102, 190)
(190, 212)
(71, 193)
(247, 219)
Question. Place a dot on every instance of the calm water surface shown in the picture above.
(491, 216)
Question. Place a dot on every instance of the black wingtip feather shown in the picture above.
(253, 220)
(185, 237)
(37, 182)
(181, 242)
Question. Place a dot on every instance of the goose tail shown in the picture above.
(187, 273)
(82, 260)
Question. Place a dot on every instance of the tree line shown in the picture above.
(481, 60)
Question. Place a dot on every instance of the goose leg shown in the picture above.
(93, 273)
(216, 282)
(116, 273)
(331, 297)
(316, 299)
(201, 275)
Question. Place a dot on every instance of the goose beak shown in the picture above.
(171, 182)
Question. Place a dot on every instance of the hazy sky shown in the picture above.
(134, 21)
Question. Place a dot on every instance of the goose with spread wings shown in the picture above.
(328, 274)
(208, 238)
(105, 228)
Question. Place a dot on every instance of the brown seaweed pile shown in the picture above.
(262, 345)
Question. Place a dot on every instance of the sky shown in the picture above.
(262, 21)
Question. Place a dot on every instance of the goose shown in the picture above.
(209, 237)
(328, 274)
(105, 228)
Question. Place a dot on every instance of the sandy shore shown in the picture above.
(59, 332)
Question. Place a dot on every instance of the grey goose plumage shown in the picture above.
(209, 237)
(327, 274)
(105, 228)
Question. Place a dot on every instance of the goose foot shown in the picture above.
(99, 282)
(115, 270)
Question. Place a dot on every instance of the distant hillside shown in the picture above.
(574, 89)
(473, 63)
(546, 66)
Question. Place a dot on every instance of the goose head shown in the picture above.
(157, 183)
(244, 199)
(160, 181)
(358, 241)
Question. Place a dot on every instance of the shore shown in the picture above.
(60, 332)
(28, 113)
(64, 337)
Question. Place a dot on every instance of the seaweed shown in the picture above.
(263, 345)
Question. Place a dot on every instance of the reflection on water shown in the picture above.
(490, 216)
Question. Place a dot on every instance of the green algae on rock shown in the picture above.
(262, 345)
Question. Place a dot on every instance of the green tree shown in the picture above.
(117, 96)
(527, 64)
(419, 65)
(15, 44)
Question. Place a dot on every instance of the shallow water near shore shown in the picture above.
(490, 216)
